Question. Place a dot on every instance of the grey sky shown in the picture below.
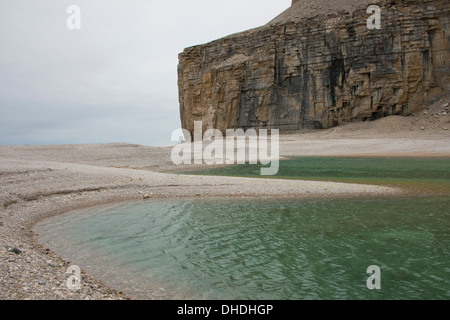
(115, 80)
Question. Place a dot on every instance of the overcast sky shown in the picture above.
(115, 80)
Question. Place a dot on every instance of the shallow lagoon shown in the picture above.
(273, 249)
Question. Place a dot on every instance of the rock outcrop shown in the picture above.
(318, 65)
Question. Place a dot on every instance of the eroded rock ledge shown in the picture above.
(313, 68)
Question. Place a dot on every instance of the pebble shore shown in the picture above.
(37, 182)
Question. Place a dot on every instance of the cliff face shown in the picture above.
(318, 69)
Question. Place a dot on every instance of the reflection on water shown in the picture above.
(253, 249)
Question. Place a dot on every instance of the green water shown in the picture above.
(246, 249)
(275, 249)
(420, 174)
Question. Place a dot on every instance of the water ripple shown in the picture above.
(266, 249)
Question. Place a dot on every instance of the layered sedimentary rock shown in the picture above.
(318, 65)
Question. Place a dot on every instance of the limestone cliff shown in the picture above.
(318, 65)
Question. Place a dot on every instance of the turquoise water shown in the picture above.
(423, 175)
(275, 249)
(261, 249)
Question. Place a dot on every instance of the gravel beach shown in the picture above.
(37, 182)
